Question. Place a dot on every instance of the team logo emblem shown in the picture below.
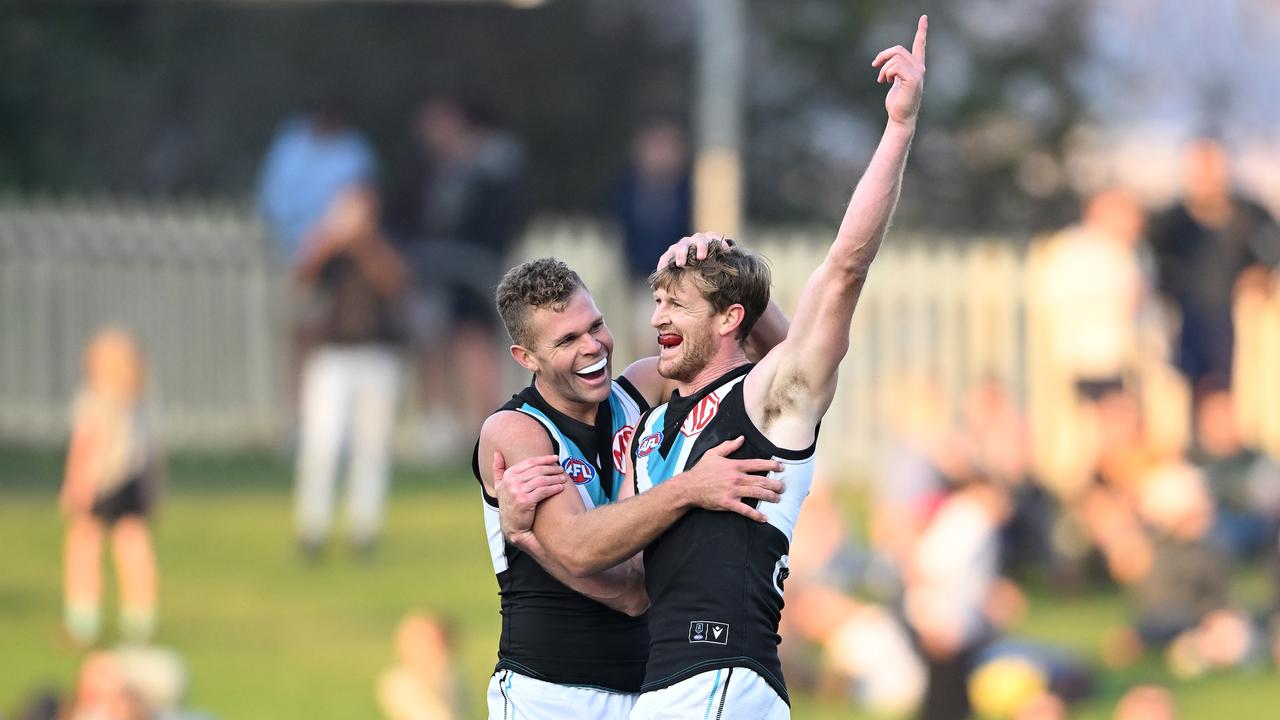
(705, 631)
(620, 441)
(579, 470)
(649, 444)
(700, 416)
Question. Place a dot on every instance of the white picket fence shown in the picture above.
(197, 285)
(192, 281)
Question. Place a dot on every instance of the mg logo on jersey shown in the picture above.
(620, 441)
(579, 470)
(700, 416)
(649, 444)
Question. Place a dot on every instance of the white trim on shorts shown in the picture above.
(729, 693)
(513, 696)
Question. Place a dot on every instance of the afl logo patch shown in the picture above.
(620, 441)
(700, 416)
(579, 470)
(649, 444)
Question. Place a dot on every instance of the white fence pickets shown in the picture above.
(196, 282)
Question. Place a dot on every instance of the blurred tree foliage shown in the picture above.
(182, 98)
(177, 98)
(999, 100)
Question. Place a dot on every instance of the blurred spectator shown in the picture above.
(1094, 286)
(951, 582)
(110, 486)
(311, 160)
(354, 321)
(1178, 580)
(1010, 686)
(1183, 599)
(999, 446)
(423, 685)
(103, 692)
(864, 650)
(1027, 681)
(1245, 483)
(457, 214)
(131, 683)
(1146, 702)
(925, 458)
(653, 198)
(955, 604)
(1207, 246)
(652, 202)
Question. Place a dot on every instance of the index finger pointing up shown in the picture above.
(922, 32)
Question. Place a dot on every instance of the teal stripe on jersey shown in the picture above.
(662, 467)
(621, 409)
(568, 449)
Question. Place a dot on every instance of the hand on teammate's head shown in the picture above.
(694, 248)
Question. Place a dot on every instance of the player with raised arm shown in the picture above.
(574, 646)
(715, 579)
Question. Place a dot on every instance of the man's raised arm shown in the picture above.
(797, 379)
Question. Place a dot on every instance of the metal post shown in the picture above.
(718, 168)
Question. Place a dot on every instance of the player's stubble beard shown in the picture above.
(695, 353)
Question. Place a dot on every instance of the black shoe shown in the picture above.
(365, 550)
(311, 551)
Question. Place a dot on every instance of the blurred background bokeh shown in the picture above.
(247, 253)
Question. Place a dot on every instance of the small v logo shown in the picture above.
(719, 632)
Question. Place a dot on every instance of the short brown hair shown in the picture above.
(730, 275)
(538, 283)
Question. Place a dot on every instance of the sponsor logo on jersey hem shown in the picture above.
(706, 631)
(579, 470)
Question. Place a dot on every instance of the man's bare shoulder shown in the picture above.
(514, 434)
(506, 424)
(644, 377)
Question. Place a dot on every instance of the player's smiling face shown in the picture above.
(684, 321)
(573, 350)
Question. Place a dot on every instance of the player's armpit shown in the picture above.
(784, 402)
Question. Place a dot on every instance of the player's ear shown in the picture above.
(731, 319)
(524, 356)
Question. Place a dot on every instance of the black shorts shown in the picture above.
(129, 500)
(1094, 389)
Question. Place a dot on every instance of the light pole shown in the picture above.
(718, 120)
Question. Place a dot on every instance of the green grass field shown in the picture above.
(265, 636)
